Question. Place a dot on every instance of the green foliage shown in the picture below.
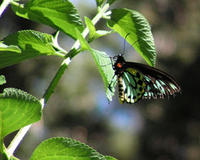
(91, 28)
(110, 158)
(24, 45)
(2, 79)
(93, 34)
(66, 148)
(13, 158)
(101, 2)
(10, 48)
(103, 63)
(137, 29)
(17, 109)
(83, 41)
(104, 66)
(111, 1)
(4, 156)
(59, 14)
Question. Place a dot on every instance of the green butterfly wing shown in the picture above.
(131, 86)
(158, 88)
(134, 85)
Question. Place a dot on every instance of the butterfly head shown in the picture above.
(118, 64)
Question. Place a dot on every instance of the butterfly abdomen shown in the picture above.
(120, 89)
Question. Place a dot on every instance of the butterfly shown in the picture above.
(139, 81)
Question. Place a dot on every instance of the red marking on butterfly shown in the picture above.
(119, 65)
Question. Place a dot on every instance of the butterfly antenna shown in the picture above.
(124, 47)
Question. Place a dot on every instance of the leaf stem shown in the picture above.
(4, 5)
(22, 132)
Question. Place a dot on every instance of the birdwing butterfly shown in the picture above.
(137, 81)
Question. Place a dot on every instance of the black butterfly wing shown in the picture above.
(158, 83)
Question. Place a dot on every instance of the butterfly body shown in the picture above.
(137, 81)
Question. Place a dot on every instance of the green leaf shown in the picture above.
(10, 48)
(13, 158)
(29, 43)
(131, 23)
(91, 28)
(17, 109)
(2, 79)
(4, 156)
(100, 2)
(104, 65)
(111, 1)
(59, 14)
(83, 41)
(60, 148)
(93, 34)
(110, 158)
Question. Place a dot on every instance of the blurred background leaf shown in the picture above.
(2, 79)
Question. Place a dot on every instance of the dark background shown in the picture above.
(149, 130)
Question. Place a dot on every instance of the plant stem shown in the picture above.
(56, 79)
(1, 136)
(4, 5)
(67, 61)
(94, 21)
(22, 132)
(17, 139)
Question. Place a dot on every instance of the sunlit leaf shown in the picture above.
(17, 109)
(93, 34)
(83, 41)
(104, 65)
(10, 48)
(65, 149)
(100, 2)
(25, 44)
(110, 158)
(136, 30)
(59, 14)
(91, 28)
